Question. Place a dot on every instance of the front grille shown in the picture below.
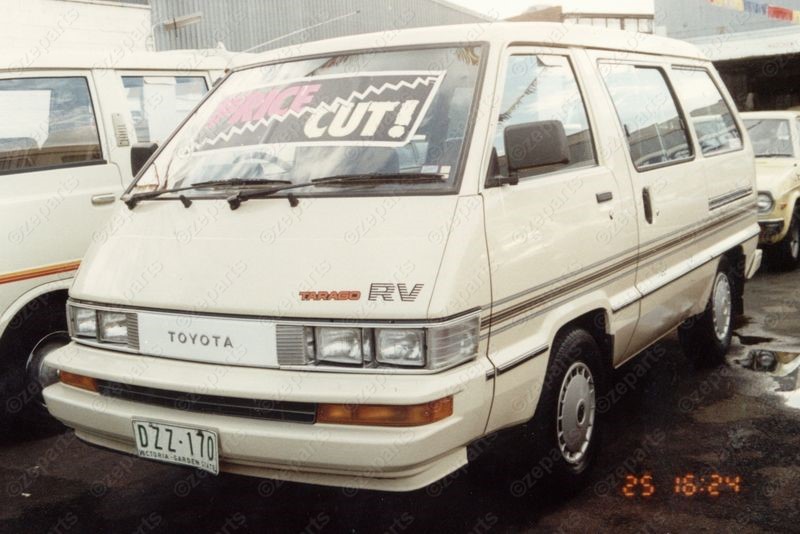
(296, 412)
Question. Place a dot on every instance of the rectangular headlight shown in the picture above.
(400, 346)
(339, 345)
(84, 322)
(454, 343)
(113, 327)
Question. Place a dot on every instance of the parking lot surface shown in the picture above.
(714, 430)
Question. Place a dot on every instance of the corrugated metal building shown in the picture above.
(243, 24)
(758, 57)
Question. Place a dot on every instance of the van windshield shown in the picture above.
(379, 114)
(771, 138)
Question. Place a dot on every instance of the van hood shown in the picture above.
(772, 172)
(354, 258)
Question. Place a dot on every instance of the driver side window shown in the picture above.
(543, 88)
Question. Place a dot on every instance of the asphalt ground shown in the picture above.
(715, 430)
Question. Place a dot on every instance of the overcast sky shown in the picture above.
(507, 8)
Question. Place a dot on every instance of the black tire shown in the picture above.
(22, 399)
(574, 351)
(704, 340)
(786, 254)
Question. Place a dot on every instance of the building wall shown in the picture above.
(242, 24)
(41, 25)
(685, 19)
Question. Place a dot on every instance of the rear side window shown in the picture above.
(47, 122)
(159, 103)
(645, 105)
(710, 116)
(543, 88)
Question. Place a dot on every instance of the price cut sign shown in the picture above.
(688, 485)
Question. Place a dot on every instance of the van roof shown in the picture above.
(503, 33)
(22, 59)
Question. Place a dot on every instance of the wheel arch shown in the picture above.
(30, 305)
(596, 322)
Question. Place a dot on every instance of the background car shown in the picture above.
(777, 148)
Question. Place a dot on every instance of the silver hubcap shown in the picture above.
(35, 370)
(576, 412)
(794, 240)
(721, 306)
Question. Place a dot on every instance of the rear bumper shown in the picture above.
(384, 458)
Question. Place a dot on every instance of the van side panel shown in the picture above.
(561, 244)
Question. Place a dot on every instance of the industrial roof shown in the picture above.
(541, 33)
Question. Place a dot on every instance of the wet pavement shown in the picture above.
(718, 431)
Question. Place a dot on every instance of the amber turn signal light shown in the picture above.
(79, 381)
(385, 414)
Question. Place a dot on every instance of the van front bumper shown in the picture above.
(369, 457)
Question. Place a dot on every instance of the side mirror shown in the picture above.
(140, 153)
(535, 144)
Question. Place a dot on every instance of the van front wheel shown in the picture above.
(565, 429)
(706, 338)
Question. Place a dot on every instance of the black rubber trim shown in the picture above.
(296, 412)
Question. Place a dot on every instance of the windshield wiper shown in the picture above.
(147, 195)
(240, 182)
(380, 178)
(346, 179)
(773, 155)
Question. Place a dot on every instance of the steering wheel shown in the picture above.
(263, 157)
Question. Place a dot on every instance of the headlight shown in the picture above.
(434, 348)
(405, 347)
(113, 327)
(339, 345)
(765, 203)
(99, 325)
(84, 322)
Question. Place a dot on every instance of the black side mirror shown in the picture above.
(535, 144)
(140, 153)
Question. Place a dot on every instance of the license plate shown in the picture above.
(175, 444)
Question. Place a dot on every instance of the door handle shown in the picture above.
(648, 205)
(107, 198)
(606, 196)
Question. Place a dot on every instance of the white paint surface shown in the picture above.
(40, 26)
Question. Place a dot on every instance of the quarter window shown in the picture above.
(543, 88)
(654, 129)
(47, 122)
(158, 103)
(710, 115)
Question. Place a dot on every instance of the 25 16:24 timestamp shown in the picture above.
(688, 485)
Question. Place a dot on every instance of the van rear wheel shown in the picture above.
(565, 429)
(706, 338)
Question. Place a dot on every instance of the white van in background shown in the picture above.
(68, 122)
(391, 253)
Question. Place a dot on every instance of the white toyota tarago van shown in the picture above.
(350, 263)
(71, 124)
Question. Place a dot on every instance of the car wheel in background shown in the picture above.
(786, 254)
(26, 376)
